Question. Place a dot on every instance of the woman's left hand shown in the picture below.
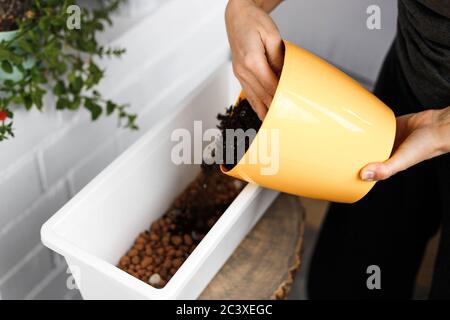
(420, 136)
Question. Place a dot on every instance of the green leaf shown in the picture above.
(25, 45)
(28, 101)
(17, 99)
(95, 75)
(93, 107)
(38, 77)
(75, 104)
(37, 96)
(52, 52)
(76, 85)
(110, 107)
(61, 68)
(62, 103)
(9, 83)
(53, 2)
(58, 21)
(45, 23)
(6, 66)
(6, 54)
(60, 88)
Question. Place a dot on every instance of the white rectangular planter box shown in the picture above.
(95, 228)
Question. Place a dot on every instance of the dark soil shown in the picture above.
(159, 252)
(242, 117)
(10, 11)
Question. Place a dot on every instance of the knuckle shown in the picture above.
(238, 70)
(274, 39)
(267, 100)
(251, 60)
(255, 104)
(265, 97)
(252, 101)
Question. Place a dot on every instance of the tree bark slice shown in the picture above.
(266, 262)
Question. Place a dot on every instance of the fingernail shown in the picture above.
(368, 175)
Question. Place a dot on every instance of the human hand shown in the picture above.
(420, 136)
(257, 51)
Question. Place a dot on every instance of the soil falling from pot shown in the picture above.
(159, 252)
(241, 117)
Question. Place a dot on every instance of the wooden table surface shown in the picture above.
(266, 262)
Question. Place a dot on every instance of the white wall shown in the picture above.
(336, 30)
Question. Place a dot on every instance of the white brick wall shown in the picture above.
(27, 273)
(55, 154)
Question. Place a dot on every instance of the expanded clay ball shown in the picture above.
(124, 261)
(146, 262)
(176, 240)
(155, 279)
(187, 240)
(133, 252)
(136, 260)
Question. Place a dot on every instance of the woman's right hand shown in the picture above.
(257, 51)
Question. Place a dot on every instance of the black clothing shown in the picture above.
(423, 47)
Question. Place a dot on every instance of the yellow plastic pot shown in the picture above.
(328, 127)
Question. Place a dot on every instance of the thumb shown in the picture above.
(377, 171)
(416, 148)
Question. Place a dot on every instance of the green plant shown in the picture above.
(63, 61)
